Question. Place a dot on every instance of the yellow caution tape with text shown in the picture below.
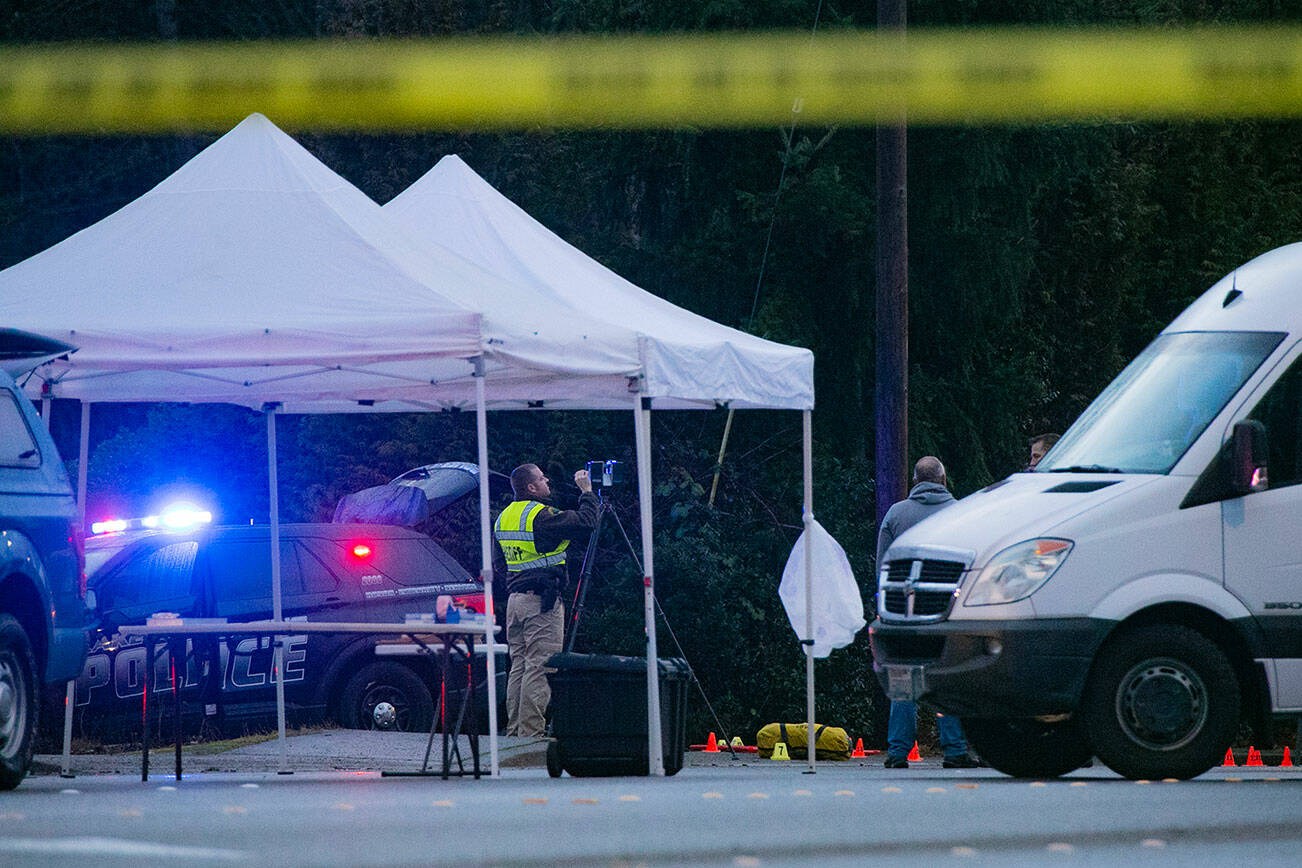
(971, 76)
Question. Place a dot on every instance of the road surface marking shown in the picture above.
(166, 789)
(758, 796)
(1060, 847)
(747, 861)
(70, 791)
(585, 801)
(801, 793)
(965, 786)
(343, 806)
(235, 809)
(443, 803)
(128, 812)
(116, 847)
(534, 801)
(962, 851)
(1078, 784)
(248, 786)
(712, 795)
(1142, 781)
(890, 789)
(935, 789)
(1170, 780)
(1155, 843)
(630, 798)
(1038, 784)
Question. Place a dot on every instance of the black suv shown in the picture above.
(329, 572)
(42, 611)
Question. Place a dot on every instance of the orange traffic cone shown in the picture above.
(1254, 757)
(1287, 760)
(711, 744)
(1229, 757)
(915, 755)
(858, 749)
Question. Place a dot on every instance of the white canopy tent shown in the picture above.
(255, 275)
(686, 360)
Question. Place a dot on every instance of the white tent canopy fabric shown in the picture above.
(686, 359)
(255, 275)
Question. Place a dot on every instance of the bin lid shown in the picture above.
(568, 661)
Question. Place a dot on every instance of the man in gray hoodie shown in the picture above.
(927, 497)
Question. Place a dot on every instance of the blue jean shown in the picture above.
(902, 731)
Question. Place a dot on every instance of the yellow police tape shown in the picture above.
(726, 80)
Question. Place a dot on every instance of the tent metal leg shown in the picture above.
(486, 570)
(642, 432)
(809, 585)
(277, 613)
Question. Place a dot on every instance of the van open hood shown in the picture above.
(1021, 507)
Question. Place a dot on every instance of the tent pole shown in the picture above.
(809, 586)
(642, 433)
(70, 697)
(276, 612)
(486, 568)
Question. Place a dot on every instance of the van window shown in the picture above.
(317, 577)
(241, 569)
(1281, 412)
(17, 448)
(153, 578)
(1161, 403)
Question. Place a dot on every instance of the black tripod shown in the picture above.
(581, 593)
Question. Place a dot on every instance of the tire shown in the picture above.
(1161, 702)
(554, 768)
(388, 687)
(1025, 748)
(19, 703)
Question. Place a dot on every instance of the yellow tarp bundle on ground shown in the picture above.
(830, 742)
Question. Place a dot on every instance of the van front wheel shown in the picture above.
(1161, 702)
(386, 696)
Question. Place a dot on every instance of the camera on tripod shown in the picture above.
(605, 474)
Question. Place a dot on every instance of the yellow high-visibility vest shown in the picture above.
(514, 533)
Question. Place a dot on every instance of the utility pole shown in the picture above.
(892, 388)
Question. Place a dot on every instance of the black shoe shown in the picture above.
(896, 762)
(960, 762)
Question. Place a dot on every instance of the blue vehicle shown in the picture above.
(43, 618)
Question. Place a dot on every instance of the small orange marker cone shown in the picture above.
(858, 749)
(915, 755)
(711, 744)
(1254, 757)
(1229, 757)
(1287, 760)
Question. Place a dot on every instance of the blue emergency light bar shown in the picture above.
(179, 517)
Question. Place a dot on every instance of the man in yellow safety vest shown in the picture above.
(532, 538)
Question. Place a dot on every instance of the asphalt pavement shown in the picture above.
(716, 811)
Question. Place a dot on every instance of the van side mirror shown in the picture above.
(1248, 457)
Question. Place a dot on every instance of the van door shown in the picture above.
(1263, 537)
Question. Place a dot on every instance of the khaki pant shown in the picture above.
(532, 637)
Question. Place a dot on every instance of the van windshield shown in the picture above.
(1160, 404)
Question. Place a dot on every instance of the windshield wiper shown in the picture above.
(1086, 468)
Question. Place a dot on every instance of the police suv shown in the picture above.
(329, 572)
(1139, 594)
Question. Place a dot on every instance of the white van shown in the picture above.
(1139, 594)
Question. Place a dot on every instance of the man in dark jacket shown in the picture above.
(532, 539)
(927, 497)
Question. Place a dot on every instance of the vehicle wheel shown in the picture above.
(1026, 748)
(386, 696)
(1162, 702)
(553, 759)
(18, 702)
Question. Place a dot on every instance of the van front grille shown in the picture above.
(918, 590)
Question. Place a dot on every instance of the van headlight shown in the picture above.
(1018, 571)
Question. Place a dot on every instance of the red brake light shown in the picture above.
(361, 551)
(473, 602)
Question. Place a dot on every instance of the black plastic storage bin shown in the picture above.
(599, 715)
